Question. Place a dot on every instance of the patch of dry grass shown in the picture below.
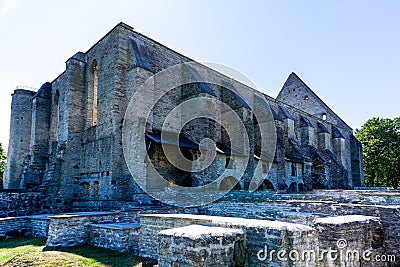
(27, 252)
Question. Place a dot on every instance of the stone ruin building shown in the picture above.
(66, 137)
(66, 160)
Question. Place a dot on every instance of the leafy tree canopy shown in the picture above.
(3, 158)
(380, 140)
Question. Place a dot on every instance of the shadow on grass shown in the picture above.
(22, 241)
(90, 254)
(109, 257)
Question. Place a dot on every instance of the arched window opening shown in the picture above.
(56, 113)
(323, 116)
(294, 169)
(92, 100)
(95, 188)
(85, 188)
(95, 85)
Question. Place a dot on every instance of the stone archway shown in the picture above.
(266, 185)
(318, 175)
(293, 187)
(228, 183)
(301, 187)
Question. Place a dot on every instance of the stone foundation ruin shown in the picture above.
(243, 230)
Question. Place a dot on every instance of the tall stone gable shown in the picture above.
(298, 94)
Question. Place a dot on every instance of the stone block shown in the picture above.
(353, 239)
(199, 245)
(259, 234)
(122, 237)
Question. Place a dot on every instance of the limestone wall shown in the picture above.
(367, 197)
(75, 156)
(39, 226)
(22, 204)
(350, 240)
(71, 229)
(35, 168)
(348, 234)
(20, 137)
(297, 94)
(259, 233)
(35, 226)
(123, 237)
(389, 215)
(201, 246)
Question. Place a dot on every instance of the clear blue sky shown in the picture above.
(348, 52)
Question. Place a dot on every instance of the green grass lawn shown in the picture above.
(24, 252)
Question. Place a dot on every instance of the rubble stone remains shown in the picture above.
(67, 179)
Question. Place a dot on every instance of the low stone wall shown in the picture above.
(22, 204)
(35, 226)
(366, 197)
(372, 188)
(260, 235)
(69, 230)
(28, 203)
(272, 212)
(39, 226)
(389, 215)
(201, 246)
(279, 210)
(122, 237)
(72, 229)
(139, 201)
(352, 237)
(333, 241)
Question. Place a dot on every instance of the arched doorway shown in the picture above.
(318, 175)
(301, 187)
(229, 183)
(293, 188)
(266, 185)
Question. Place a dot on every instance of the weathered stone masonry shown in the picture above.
(65, 158)
(281, 221)
(66, 139)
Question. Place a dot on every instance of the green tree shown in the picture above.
(3, 158)
(380, 139)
